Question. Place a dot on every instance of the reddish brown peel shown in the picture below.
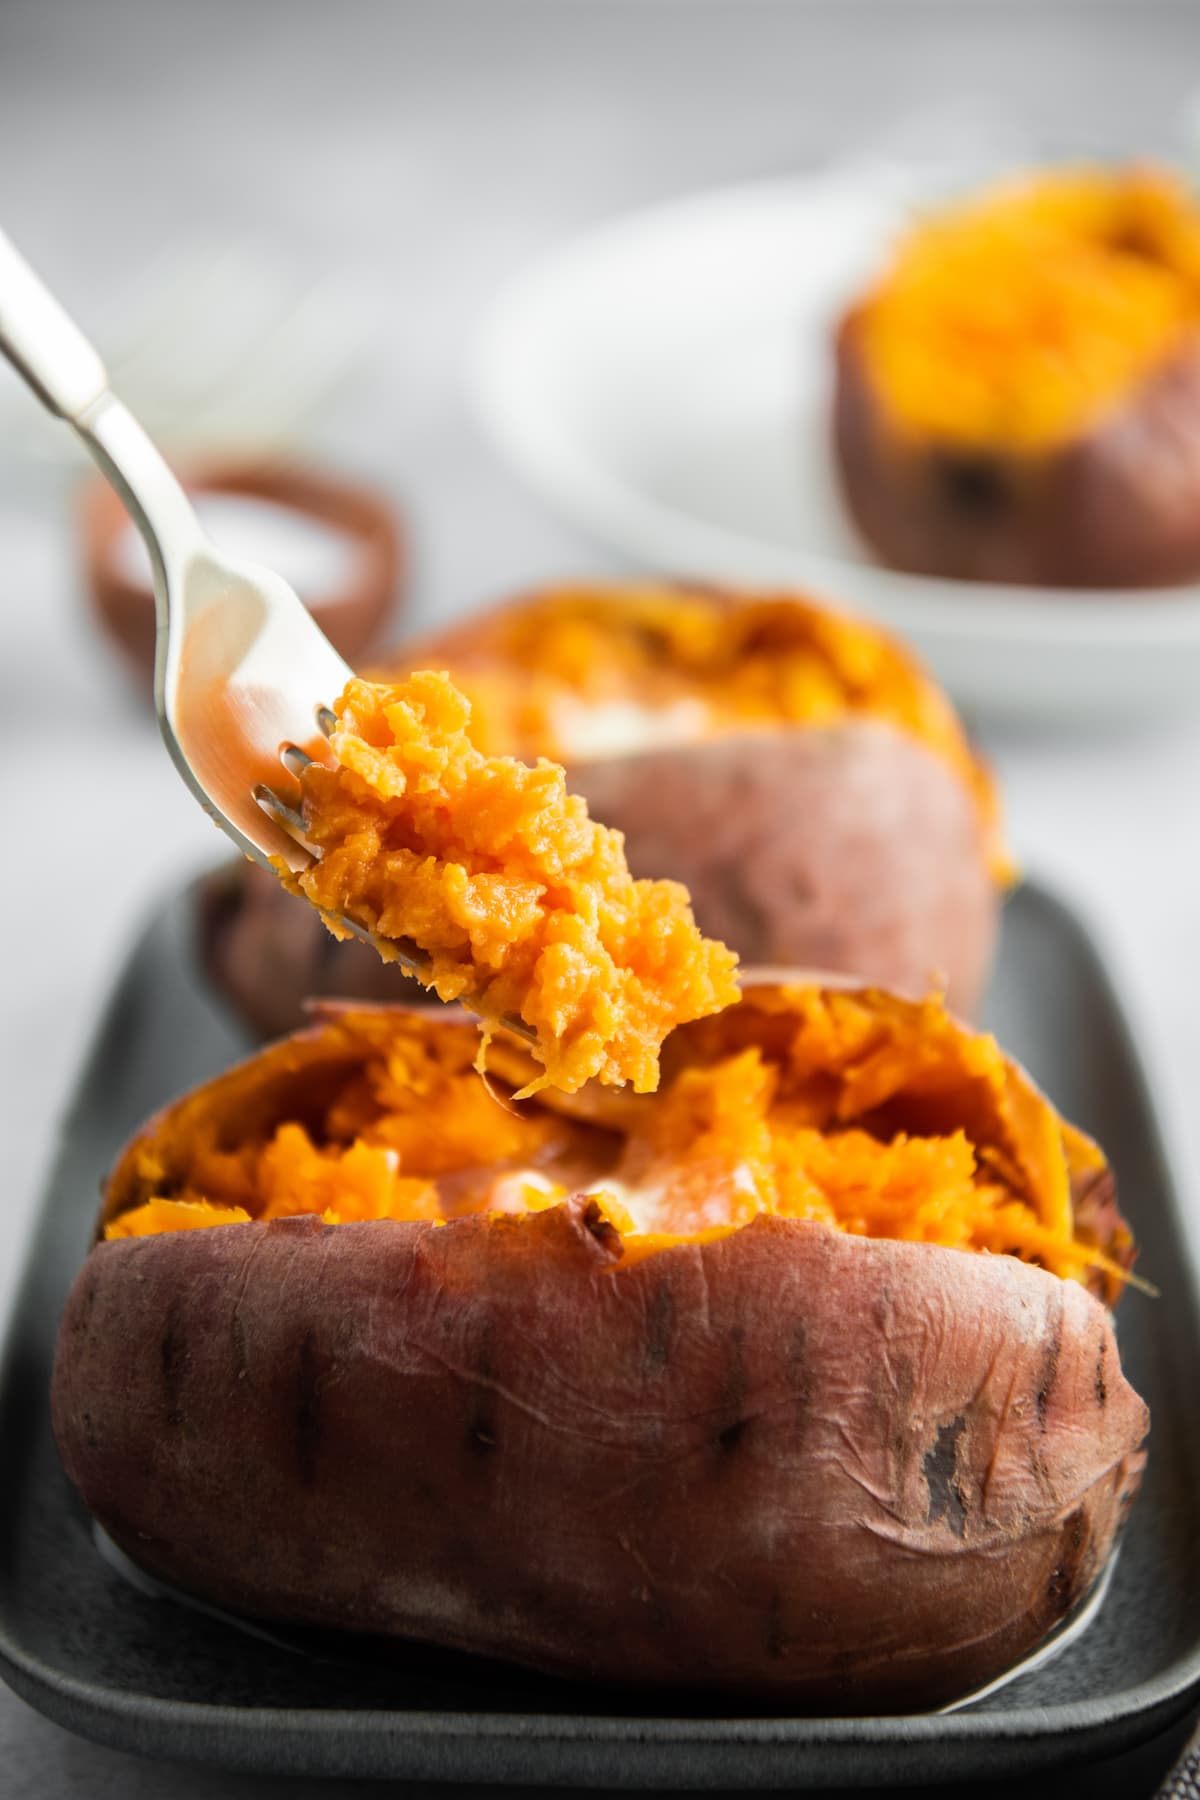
(825, 1472)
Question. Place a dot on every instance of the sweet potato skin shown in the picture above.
(789, 1465)
(850, 847)
(1118, 506)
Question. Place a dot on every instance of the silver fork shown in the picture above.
(242, 675)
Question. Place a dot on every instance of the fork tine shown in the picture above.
(278, 808)
(294, 759)
(409, 955)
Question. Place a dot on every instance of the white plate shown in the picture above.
(664, 382)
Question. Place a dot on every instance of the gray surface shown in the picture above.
(145, 1673)
(436, 146)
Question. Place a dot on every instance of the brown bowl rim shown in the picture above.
(372, 591)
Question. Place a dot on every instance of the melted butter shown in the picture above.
(586, 733)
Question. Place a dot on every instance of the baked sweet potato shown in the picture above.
(802, 777)
(1018, 399)
(784, 1382)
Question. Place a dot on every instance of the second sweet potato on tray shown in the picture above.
(795, 768)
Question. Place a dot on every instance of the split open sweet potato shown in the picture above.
(794, 768)
(1018, 398)
(794, 1380)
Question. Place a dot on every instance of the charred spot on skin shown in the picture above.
(1101, 1384)
(598, 1225)
(733, 1393)
(1068, 1577)
(941, 1477)
(974, 485)
(1061, 1587)
(730, 1436)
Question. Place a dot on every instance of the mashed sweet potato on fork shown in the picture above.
(523, 905)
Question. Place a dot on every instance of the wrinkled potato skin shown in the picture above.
(849, 848)
(834, 1473)
(1117, 507)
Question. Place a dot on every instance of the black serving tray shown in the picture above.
(143, 1673)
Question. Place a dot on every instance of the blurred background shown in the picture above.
(286, 226)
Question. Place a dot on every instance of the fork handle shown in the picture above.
(45, 344)
(47, 347)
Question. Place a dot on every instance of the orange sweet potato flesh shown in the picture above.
(871, 1113)
(1018, 399)
(785, 1461)
(795, 770)
(514, 897)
